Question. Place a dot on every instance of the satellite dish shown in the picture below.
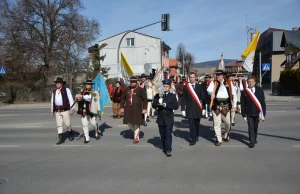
(147, 66)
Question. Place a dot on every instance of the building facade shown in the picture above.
(272, 53)
(291, 43)
(143, 52)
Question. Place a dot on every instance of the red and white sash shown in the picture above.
(256, 102)
(194, 95)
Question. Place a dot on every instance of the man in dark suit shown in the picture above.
(165, 103)
(192, 105)
(253, 108)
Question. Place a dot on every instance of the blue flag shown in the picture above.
(100, 86)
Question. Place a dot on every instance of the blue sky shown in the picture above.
(206, 27)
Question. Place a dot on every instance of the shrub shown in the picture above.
(290, 80)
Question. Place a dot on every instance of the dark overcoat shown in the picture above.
(189, 105)
(165, 115)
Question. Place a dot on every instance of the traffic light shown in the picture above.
(165, 22)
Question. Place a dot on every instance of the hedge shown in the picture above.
(290, 80)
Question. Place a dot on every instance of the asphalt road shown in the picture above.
(30, 162)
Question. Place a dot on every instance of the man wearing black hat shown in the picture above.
(205, 85)
(223, 99)
(179, 89)
(192, 105)
(61, 102)
(165, 103)
(134, 105)
(89, 109)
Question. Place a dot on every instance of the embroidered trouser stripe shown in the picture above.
(218, 122)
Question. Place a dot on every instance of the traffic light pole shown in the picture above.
(118, 52)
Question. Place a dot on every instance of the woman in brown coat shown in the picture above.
(116, 99)
(134, 105)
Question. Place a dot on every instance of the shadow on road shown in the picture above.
(128, 134)
(268, 135)
(182, 134)
(155, 141)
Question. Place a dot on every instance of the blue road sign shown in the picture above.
(266, 67)
(2, 70)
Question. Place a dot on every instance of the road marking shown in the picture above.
(229, 146)
(9, 146)
(28, 126)
(296, 146)
(277, 111)
(71, 145)
(141, 145)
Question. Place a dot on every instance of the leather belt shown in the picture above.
(60, 109)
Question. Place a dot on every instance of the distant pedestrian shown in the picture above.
(116, 99)
(253, 108)
(165, 104)
(61, 102)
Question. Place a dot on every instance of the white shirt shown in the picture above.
(58, 98)
(253, 89)
(222, 93)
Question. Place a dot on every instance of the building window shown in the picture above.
(130, 41)
(290, 58)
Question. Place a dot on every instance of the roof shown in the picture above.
(292, 38)
(234, 63)
(173, 63)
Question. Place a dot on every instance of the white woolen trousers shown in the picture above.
(62, 118)
(136, 130)
(86, 122)
(218, 122)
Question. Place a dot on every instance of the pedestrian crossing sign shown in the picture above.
(266, 67)
(2, 70)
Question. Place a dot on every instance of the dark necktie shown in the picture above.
(252, 90)
(193, 86)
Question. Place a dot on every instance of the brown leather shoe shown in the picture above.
(227, 139)
(218, 143)
(118, 117)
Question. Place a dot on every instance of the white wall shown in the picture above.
(145, 50)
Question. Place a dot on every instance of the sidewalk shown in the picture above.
(270, 97)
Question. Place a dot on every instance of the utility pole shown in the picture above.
(260, 78)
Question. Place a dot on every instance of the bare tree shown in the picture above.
(185, 58)
(49, 32)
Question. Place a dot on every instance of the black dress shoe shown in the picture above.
(61, 140)
(256, 142)
(86, 142)
(71, 136)
(233, 124)
(192, 143)
(98, 137)
(251, 145)
(197, 139)
(169, 154)
(148, 120)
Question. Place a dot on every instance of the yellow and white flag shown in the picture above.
(248, 54)
(126, 70)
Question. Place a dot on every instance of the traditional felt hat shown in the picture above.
(133, 78)
(59, 80)
(88, 81)
(240, 75)
(183, 78)
(219, 71)
(143, 76)
(166, 82)
(207, 76)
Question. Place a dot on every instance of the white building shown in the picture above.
(143, 52)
